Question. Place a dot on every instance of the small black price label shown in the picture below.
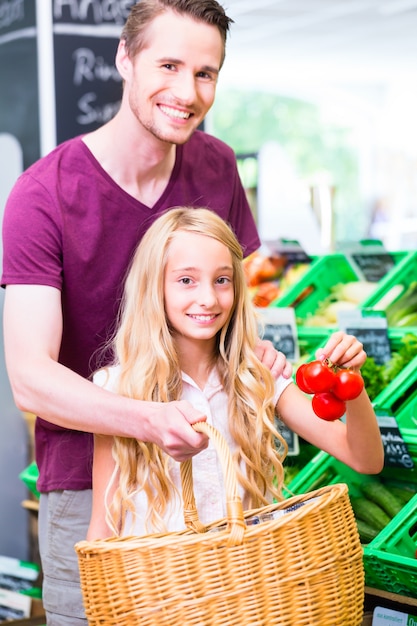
(290, 249)
(375, 343)
(374, 266)
(395, 448)
(278, 326)
(290, 437)
(370, 328)
(282, 337)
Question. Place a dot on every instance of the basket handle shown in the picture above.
(234, 508)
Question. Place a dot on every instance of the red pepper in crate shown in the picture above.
(259, 269)
(265, 294)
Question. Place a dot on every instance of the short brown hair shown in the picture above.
(145, 11)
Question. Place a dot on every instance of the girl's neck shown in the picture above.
(197, 362)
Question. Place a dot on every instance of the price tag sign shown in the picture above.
(369, 258)
(389, 617)
(290, 437)
(290, 249)
(371, 329)
(373, 266)
(395, 448)
(277, 324)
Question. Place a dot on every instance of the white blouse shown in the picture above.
(208, 480)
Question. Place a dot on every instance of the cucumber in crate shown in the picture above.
(376, 500)
(385, 508)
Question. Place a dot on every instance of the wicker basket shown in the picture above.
(303, 567)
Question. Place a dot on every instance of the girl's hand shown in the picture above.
(344, 350)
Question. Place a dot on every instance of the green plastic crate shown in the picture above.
(315, 285)
(404, 273)
(400, 399)
(367, 258)
(309, 339)
(325, 272)
(390, 559)
(312, 337)
(324, 470)
(29, 476)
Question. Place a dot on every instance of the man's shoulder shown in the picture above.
(56, 170)
(201, 139)
(68, 150)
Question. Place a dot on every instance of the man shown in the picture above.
(71, 224)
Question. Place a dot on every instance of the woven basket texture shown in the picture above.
(304, 567)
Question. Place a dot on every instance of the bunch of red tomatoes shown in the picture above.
(330, 385)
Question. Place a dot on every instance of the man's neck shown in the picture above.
(141, 168)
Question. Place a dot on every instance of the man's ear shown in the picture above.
(123, 62)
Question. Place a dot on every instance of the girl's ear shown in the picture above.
(123, 62)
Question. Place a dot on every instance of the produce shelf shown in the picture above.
(325, 272)
(387, 561)
(324, 469)
(29, 476)
(390, 559)
(316, 284)
(311, 338)
(400, 399)
(393, 288)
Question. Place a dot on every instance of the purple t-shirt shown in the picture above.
(68, 225)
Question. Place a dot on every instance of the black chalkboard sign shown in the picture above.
(87, 84)
(290, 249)
(375, 343)
(374, 266)
(282, 336)
(19, 100)
(371, 328)
(88, 87)
(395, 448)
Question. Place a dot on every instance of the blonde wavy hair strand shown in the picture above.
(149, 370)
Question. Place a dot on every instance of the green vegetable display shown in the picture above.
(376, 377)
(342, 297)
(366, 532)
(379, 503)
(378, 493)
(369, 512)
(403, 311)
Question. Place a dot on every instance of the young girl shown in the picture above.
(187, 331)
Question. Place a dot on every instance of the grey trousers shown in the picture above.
(64, 517)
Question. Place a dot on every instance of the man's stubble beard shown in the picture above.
(151, 127)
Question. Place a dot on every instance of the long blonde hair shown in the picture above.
(149, 370)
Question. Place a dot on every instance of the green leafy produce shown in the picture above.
(342, 297)
(402, 357)
(403, 311)
(376, 377)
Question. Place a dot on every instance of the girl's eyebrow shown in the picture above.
(192, 268)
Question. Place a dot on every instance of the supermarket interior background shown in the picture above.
(335, 84)
(318, 99)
